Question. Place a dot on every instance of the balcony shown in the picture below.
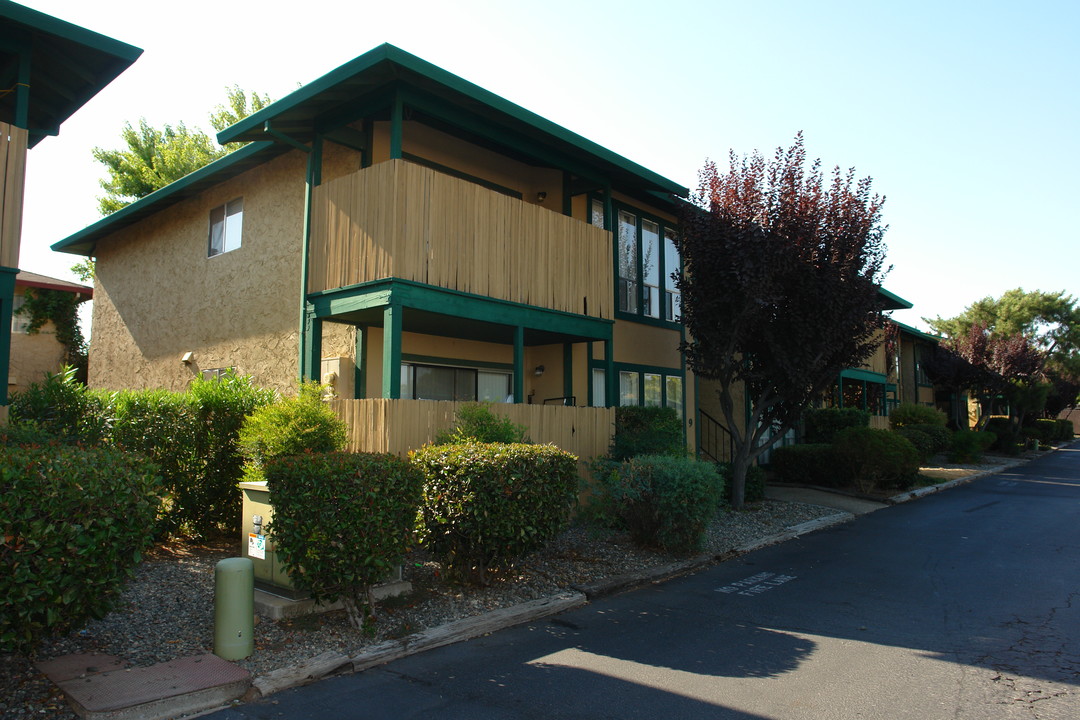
(405, 221)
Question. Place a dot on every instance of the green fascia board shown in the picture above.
(917, 333)
(364, 73)
(69, 65)
(236, 162)
(409, 294)
(894, 301)
(864, 375)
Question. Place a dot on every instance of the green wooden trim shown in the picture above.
(893, 301)
(459, 304)
(866, 375)
(397, 122)
(360, 360)
(411, 70)
(311, 349)
(7, 300)
(919, 334)
(568, 369)
(519, 364)
(612, 389)
(391, 365)
(447, 170)
(455, 362)
(311, 180)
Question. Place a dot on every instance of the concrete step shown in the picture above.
(98, 687)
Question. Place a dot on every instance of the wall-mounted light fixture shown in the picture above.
(541, 197)
(538, 371)
(188, 358)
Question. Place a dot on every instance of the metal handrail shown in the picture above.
(717, 442)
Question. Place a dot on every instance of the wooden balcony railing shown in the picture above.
(401, 220)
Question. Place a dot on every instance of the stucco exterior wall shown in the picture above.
(33, 355)
(158, 295)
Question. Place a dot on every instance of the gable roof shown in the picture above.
(370, 82)
(28, 279)
(50, 68)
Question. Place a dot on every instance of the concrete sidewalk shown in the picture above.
(813, 496)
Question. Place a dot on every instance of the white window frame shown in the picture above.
(229, 220)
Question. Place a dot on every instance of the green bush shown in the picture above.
(647, 431)
(877, 459)
(487, 504)
(342, 521)
(1043, 430)
(477, 422)
(968, 446)
(1065, 430)
(822, 424)
(61, 406)
(810, 463)
(922, 442)
(1008, 439)
(940, 436)
(906, 414)
(291, 426)
(663, 501)
(75, 522)
(755, 482)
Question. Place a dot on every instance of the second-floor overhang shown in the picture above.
(388, 82)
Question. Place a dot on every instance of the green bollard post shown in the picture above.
(234, 608)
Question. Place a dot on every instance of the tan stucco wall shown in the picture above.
(158, 295)
(33, 355)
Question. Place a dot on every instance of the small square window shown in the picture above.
(226, 227)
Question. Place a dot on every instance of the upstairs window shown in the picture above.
(226, 227)
(648, 258)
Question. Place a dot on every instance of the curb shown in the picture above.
(931, 489)
(332, 663)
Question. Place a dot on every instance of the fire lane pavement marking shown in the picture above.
(755, 584)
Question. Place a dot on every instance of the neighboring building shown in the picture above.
(48, 69)
(410, 237)
(34, 354)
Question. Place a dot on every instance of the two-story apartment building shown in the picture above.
(417, 241)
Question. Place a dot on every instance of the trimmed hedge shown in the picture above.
(647, 431)
(294, 425)
(663, 501)
(1065, 429)
(940, 436)
(811, 463)
(822, 424)
(342, 521)
(968, 446)
(1008, 440)
(75, 523)
(487, 504)
(906, 414)
(922, 442)
(877, 459)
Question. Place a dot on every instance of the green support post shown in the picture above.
(391, 369)
(519, 364)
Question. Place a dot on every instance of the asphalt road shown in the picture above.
(962, 605)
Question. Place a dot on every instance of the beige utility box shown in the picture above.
(270, 575)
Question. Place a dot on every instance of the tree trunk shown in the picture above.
(740, 464)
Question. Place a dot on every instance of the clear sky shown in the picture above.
(966, 114)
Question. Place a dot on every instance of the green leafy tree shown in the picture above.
(781, 289)
(152, 158)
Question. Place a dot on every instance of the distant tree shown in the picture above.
(780, 291)
(153, 158)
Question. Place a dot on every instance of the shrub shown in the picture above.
(664, 501)
(755, 482)
(342, 521)
(877, 459)
(968, 446)
(477, 422)
(1065, 430)
(922, 442)
(74, 525)
(1008, 439)
(811, 463)
(61, 406)
(822, 424)
(290, 426)
(485, 505)
(1043, 430)
(940, 436)
(647, 431)
(906, 414)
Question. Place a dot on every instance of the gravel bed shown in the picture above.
(167, 611)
